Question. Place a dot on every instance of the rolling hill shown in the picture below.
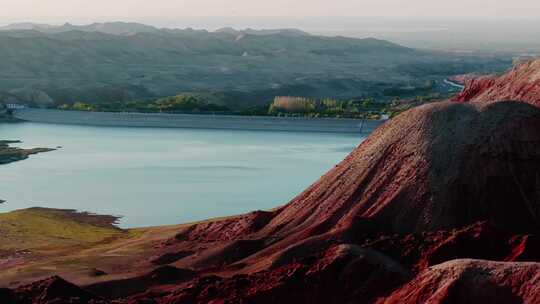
(124, 61)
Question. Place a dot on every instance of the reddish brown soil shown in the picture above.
(521, 83)
(52, 290)
(472, 281)
(392, 222)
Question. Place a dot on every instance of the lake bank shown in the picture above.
(199, 121)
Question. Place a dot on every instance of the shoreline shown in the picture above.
(199, 121)
(9, 154)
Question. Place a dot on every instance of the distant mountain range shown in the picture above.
(108, 62)
(114, 28)
(130, 28)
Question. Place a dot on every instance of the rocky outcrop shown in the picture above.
(521, 83)
(472, 281)
(50, 291)
(11, 154)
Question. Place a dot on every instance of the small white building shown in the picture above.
(15, 106)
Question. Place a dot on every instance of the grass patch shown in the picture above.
(50, 229)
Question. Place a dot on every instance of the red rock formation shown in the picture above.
(50, 291)
(521, 83)
(472, 281)
(440, 182)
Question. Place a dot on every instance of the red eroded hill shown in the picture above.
(472, 281)
(521, 83)
(440, 182)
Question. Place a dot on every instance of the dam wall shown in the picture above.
(199, 121)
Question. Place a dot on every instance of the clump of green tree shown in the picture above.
(185, 103)
(328, 107)
(78, 106)
(179, 103)
(289, 104)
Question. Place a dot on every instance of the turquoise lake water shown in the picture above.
(153, 176)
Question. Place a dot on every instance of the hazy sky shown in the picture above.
(156, 10)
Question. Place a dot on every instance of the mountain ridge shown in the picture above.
(120, 28)
(95, 66)
(108, 63)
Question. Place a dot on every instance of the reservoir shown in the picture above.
(161, 176)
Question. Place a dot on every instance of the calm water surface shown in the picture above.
(153, 176)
